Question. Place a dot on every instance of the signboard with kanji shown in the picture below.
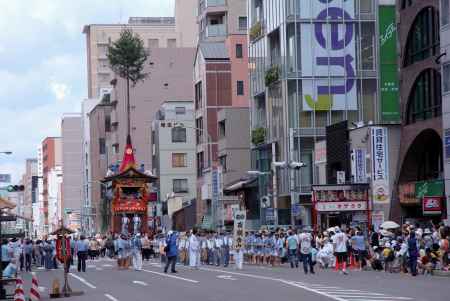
(380, 165)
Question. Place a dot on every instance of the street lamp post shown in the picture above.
(293, 165)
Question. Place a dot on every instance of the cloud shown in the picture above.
(60, 90)
(43, 65)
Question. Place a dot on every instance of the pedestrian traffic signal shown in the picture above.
(14, 188)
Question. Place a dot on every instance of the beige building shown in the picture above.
(72, 156)
(156, 32)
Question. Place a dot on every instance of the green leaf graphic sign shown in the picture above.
(390, 111)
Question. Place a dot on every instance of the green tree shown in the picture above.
(126, 57)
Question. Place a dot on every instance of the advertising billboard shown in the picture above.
(380, 165)
(390, 110)
(328, 56)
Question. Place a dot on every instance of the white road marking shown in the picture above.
(368, 298)
(90, 266)
(140, 282)
(332, 292)
(82, 280)
(313, 290)
(107, 265)
(111, 297)
(98, 269)
(171, 276)
(226, 277)
(40, 268)
(42, 289)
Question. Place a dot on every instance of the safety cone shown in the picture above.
(352, 262)
(34, 290)
(19, 295)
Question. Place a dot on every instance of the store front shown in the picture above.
(423, 201)
(341, 205)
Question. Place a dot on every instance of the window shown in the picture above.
(423, 38)
(180, 110)
(107, 123)
(445, 12)
(406, 3)
(198, 95)
(179, 160)
(153, 43)
(180, 186)
(425, 99)
(222, 129)
(239, 53)
(242, 23)
(223, 162)
(171, 43)
(198, 133)
(102, 146)
(200, 164)
(178, 134)
(446, 78)
(240, 87)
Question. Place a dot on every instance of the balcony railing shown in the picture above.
(218, 30)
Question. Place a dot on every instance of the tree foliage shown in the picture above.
(127, 56)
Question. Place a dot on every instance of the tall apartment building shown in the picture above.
(173, 150)
(87, 222)
(51, 158)
(55, 198)
(312, 63)
(99, 156)
(220, 82)
(72, 157)
(38, 207)
(156, 32)
(30, 182)
(445, 71)
(420, 175)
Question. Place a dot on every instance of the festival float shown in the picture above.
(130, 196)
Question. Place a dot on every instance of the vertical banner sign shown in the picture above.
(328, 55)
(239, 228)
(215, 194)
(388, 64)
(359, 165)
(380, 165)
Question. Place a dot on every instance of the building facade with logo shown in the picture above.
(312, 64)
(420, 173)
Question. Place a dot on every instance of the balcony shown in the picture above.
(219, 30)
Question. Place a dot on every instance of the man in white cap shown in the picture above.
(340, 248)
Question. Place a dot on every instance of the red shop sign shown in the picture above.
(432, 205)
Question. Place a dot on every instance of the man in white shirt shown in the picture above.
(217, 249)
(340, 248)
(210, 248)
(305, 239)
(227, 242)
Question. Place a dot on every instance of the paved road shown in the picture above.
(104, 282)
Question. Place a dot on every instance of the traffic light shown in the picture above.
(14, 188)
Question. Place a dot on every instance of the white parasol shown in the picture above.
(389, 225)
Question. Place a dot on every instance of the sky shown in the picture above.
(43, 66)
